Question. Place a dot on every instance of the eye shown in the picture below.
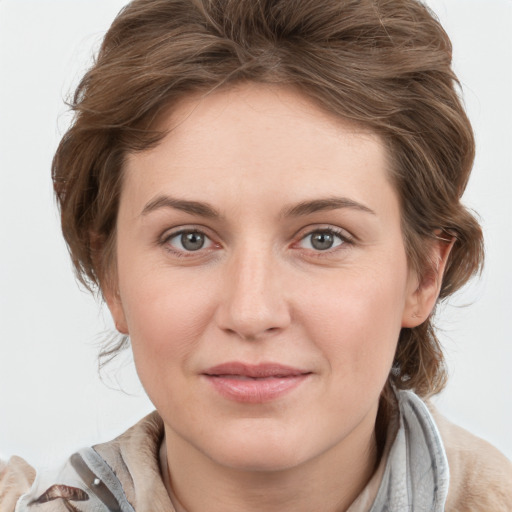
(322, 240)
(189, 241)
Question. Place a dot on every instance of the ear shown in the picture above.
(102, 251)
(115, 305)
(424, 290)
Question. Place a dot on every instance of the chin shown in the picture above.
(258, 448)
(265, 459)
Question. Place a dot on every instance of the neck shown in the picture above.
(330, 482)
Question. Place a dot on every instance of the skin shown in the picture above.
(259, 291)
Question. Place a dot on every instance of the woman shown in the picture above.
(267, 196)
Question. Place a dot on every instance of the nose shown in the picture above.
(253, 304)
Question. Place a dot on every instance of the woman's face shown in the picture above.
(262, 277)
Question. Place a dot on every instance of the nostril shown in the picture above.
(247, 335)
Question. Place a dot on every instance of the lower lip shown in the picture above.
(255, 391)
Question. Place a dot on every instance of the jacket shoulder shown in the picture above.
(16, 478)
(480, 475)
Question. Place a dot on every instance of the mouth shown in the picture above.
(260, 383)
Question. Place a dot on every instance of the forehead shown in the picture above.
(253, 139)
(248, 107)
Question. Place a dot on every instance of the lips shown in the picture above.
(248, 383)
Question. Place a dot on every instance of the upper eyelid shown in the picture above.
(347, 241)
(341, 232)
(343, 240)
(164, 242)
(172, 232)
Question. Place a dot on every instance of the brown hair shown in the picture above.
(385, 64)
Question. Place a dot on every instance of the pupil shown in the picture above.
(192, 241)
(322, 241)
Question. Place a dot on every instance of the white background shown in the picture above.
(51, 398)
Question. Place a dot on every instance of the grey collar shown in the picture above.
(416, 476)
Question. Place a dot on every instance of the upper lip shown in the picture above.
(254, 370)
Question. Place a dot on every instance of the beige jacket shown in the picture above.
(480, 477)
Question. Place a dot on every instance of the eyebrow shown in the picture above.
(320, 205)
(192, 207)
(300, 209)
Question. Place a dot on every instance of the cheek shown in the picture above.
(166, 318)
(166, 313)
(356, 323)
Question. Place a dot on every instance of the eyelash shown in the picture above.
(346, 241)
(344, 238)
(183, 253)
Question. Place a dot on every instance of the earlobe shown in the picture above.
(425, 289)
(102, 251)
(113, 300)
